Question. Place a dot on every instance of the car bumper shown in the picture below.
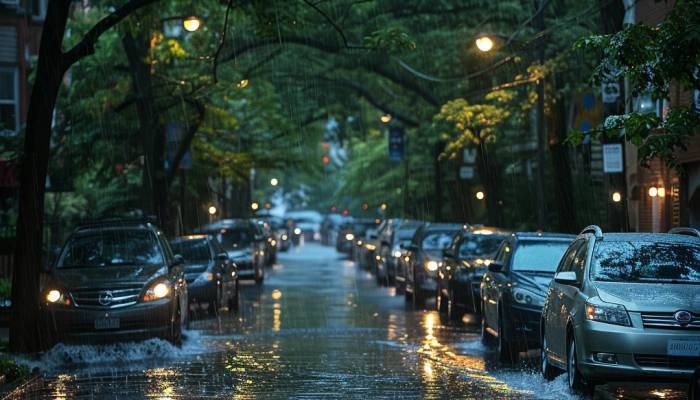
(206, 291)
(246, 269)
(639, 352)
(426, 283)
(466, 294)
(141, 321)
(525, 325)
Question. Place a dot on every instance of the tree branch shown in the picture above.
(333, 24)
(215, 67)
(186, 141)
(87, 45)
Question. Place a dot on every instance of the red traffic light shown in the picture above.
(325, 160)
(345, 213)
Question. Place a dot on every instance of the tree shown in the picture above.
(51, 66)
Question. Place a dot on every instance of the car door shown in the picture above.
(489, 285)
(555, 318)
(569, 293)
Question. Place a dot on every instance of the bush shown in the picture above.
(11, 370)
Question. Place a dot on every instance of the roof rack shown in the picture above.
(594, 229)
(685, 231)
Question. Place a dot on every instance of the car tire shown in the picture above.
(175, 336)
(259, 278)
(486, 338)
(234, 300)
(455, 312)
(441, 303)
(508, 352)
(576, 381)
(418, 296)
(549, 371)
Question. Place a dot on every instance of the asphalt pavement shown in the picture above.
(317, 328)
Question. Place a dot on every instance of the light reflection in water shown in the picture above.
(59, 386)
(277, 317)
(161, 382)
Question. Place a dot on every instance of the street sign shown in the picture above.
(396, 143)
(469, 156)
(696, 101)
(612, 158)
(466, 172)
(610, 92)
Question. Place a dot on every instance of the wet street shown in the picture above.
(317, 328)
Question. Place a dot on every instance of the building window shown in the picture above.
(9, 101)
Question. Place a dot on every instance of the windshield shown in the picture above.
(646, 262)
(479, 246)
(111, 248)
(235, 237)
(539, 256)
(437, 240)
(194, 251)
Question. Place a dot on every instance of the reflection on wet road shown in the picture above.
(318, 328)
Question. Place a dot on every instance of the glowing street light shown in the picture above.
(484, 43)
(212, 210)
(653, 191)
(274, 182)
(480, 195)
(386, 118)
(383, 206)
(254, 206)
(616, 197)
(661, 192)
(191, 23)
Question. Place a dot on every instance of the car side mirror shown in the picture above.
(447, 253)
(495, 267)
(222, 257)
(566, 278)
(178, 261)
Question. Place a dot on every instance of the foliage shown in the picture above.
(652, 59)
(11, 370)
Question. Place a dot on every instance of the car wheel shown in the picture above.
(418, 296)
(486, 337)
(260, 277)
(576, 381)
(507, 351)
(233, 300)
(441, 302)
(549, 371)
(176, 328)
(455, 312)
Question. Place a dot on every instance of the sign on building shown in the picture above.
(612, 158)
(466, 172)
(396, 143)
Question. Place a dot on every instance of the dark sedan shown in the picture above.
(116, 280)
(464, 264)
(211, 277)
(245, 244)
(514, 288)
(423, 258)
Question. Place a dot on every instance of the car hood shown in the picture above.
(539, 281)
(107, 276)
(650, 297)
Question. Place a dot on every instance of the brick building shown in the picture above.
(660, 198)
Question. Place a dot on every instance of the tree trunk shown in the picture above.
(487, 176)
(155, 185)
(25, 328)
(561, 168)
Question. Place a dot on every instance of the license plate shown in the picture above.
(681, 347)
(107, 323)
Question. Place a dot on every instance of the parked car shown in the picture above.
(423, 258)
(397, 232)
(624, 305)
(463, 265)
(365, 253)
(281, 233)
(270, 241)
(116, 280)
(307, 223)
(351, 233)
(514, 287)
(245, 244)
(211, 276)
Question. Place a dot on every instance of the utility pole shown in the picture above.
(539, 25)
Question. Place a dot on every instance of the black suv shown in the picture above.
(116, 280)
(514, 288)
(245, 244)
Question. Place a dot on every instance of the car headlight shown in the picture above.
(359, 242)
(204, 277)
(349, 236)
(370, 246)
(285, 237)
(273, 242)
(431, 265)
(597, 310)
(55, 296)
(297, 231)
(397, 254)
(158, 291)
(527, 297)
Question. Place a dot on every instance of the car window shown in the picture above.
(637, 261)
(111, 248)
(193, 251)
(567, 260)
(538, 255)
(235, 237)
(579, 262)
(165, 246)
(479, 246)
(436, 240)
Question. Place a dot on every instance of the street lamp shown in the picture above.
(484, 43)
(254, 206)
(212, 210)
(191, 23)
(653, 191)
(383, 206)
(616, 197)
(386, 118)
(274, 182)
(480, 195)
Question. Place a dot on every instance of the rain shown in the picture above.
(349, 199)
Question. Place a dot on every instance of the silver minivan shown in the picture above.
(624, 305)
